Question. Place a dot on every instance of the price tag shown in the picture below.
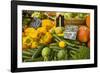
(70, 35)
(71, 32)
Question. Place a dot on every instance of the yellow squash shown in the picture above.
(62, 44)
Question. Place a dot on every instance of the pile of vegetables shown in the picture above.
(42, 40)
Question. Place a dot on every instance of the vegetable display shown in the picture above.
(44, 39)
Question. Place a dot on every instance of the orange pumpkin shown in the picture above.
(88, 21)
(83, 34)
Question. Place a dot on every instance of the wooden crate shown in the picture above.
(75, 21)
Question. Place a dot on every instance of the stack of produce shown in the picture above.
(44, 41)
